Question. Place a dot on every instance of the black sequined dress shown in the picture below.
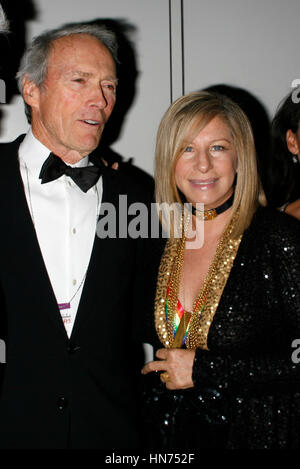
(247, 386)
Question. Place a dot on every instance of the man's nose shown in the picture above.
(97, 98)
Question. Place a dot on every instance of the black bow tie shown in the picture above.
(85, 177)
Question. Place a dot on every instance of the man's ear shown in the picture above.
(31, 92)
(292, 143)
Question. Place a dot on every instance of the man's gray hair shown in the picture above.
(35, 60)
(4, 25)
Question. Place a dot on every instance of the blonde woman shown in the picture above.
(226, 314)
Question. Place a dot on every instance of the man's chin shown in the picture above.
(89, 146)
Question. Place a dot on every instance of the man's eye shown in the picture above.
(111, 87)
(78, 80)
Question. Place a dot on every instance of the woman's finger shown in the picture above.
(162, 353)
(156, 365)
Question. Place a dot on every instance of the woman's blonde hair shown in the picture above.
(181, 123)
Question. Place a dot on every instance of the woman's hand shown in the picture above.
(294, 209)
(177, 365)
(113, 166)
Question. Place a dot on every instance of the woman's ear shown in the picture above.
(292, 142)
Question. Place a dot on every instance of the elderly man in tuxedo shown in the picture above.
(67, 295)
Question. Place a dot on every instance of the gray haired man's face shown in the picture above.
(70, 110)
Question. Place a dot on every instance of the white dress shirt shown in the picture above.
(65, 221)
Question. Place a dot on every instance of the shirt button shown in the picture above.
(74, 230)
(74, 281)
(73, 348)
(62, 403)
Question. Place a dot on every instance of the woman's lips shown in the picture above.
(203, 184)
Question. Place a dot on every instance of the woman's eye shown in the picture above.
(188, 149)
(217, 148)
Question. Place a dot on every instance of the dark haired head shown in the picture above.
(284, 173)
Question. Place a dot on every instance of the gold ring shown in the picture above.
(165, 377)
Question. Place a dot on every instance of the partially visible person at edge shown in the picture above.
(284, 168)
(4, 25)
(66, 295)
(226, 314)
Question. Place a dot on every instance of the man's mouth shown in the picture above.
(91, 122)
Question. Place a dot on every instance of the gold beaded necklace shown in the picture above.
(205, 305)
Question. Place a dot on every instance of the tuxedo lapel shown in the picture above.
(101, 258)
(27, 260)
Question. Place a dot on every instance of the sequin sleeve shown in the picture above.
(259, 314)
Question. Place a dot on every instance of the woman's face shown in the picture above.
(205, 171)
(293, 142)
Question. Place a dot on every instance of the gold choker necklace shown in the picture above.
(212, 212)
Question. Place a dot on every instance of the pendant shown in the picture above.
(183, 325)
(64, 305)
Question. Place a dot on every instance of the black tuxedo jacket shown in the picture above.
(58, 392)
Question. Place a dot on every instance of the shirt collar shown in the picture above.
(33, 154)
